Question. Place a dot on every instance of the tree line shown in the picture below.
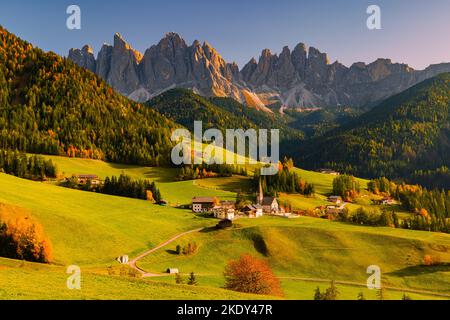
(122, 186)
(405, 133)
(193, 172)
(418, 221)
(431, 208)
(346, 186)
(414, 198)
(286, 180)
(33, 167)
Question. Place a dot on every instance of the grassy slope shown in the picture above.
(49, 282)
(176, 192)
(89, 228)
(315, 248)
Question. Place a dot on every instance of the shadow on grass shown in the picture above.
(172, 252)
(157, 174)
(258, 240)
(162, 175)
(209, 230)
(234, 186)
(419, 270)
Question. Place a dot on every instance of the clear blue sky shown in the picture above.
(416, 32)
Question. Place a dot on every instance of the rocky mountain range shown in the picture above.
(301, 78)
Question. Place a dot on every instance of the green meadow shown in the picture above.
(30, 281)
(316, 249)
(91, 230)
(175, 192)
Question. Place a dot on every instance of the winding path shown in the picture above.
(133, 263)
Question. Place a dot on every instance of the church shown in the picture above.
(269, 204)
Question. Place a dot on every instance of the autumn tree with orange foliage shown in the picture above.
(21, 238)
(251, 275)
(429, 260)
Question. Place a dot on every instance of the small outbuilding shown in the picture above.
(172, 271)
(123, 259)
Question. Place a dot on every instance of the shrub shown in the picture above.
(429, 260)
(21, 238)
(224, 224)
(365, 217)
(330, 293)
(189, 249)
(178, 279)
(251, 275)
(192, 281)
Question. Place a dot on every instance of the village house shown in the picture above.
(222, 213)
(335, 199)
(385, 201)
(83, 179)
(253, 211)
(227, 204)
(329, 171)
(334, 210)
(203, 204)
(225, 210)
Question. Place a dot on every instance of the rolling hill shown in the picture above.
(311, 248)
(50, 105)
(405, 133)
(91, 230)
(184, 107)
(49, 283)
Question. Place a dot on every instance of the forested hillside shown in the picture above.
(49, 105)
(404, 134)
(184, 107)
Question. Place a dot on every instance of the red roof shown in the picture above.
(202, 200)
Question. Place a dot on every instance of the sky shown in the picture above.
(416, 32)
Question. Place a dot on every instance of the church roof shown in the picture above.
(267, 201)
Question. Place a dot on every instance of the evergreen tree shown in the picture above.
(192, 280)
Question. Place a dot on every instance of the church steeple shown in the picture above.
(260, 198)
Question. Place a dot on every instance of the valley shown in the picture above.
(87, 178)
(91, 230)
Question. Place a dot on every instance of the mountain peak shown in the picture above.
(302, 77)
(300, 46)
(121, 45)
(172, 35)
(266, 53)
(118, 40)
(88, 49)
